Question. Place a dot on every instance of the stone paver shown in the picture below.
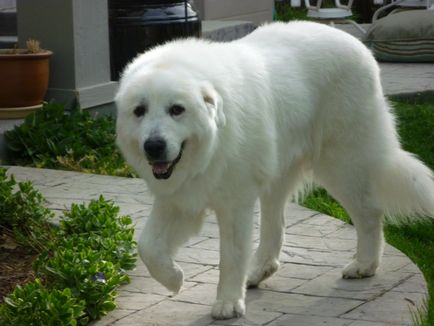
(307, 290)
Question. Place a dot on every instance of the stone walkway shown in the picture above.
(307, 290)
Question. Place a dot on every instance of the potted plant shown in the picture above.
(23, 79)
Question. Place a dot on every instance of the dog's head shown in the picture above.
(167, 122)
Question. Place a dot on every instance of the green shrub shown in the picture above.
(22, 211)
(105, 229)
(33, 304)
(84, 271)
(55, 138)
(93, 248)
(81, 262)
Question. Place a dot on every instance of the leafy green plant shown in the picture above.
(22, 212)
(106, 230)
(84, 271)
(93, 248)
(33, 304)
(55, 138)
(81, 262)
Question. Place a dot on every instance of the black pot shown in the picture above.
(137, 25)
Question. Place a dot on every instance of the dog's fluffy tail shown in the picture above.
(406, 188)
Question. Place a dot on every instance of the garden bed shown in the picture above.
(76, 266)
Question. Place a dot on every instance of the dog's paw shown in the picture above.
(170, 275)
(226, 309)
(161, 266)
(356, 269)
(260, 272)
(172, 278)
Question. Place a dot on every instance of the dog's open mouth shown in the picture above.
(163, 170)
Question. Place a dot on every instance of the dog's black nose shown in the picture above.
(155, 148)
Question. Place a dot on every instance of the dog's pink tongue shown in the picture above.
(160, 168)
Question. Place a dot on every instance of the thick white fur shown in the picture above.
(288, 104)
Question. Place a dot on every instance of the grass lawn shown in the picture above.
(416, 129)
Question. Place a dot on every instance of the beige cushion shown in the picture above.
(406, 36)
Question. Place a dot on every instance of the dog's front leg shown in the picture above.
(166, 230)
(235, 249)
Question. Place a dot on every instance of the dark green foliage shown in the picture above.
(107, 231)
(22, 212)
(82, 262)
(54, 138)
(35, 305)
(284, 12)
(78, 268)
(93, 248)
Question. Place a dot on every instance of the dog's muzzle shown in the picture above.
(155, 150)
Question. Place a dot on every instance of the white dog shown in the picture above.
(218, 125)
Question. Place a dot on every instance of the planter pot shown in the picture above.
(23, 81)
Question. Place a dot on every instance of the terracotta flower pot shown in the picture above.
(23, 78)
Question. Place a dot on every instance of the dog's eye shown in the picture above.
(176, 110)
(140, 110)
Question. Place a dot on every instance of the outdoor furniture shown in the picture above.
(405, 36)
(400, 4)
(340, 13)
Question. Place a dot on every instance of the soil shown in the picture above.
(15, 264)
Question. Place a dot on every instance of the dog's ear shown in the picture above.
(214, 104)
